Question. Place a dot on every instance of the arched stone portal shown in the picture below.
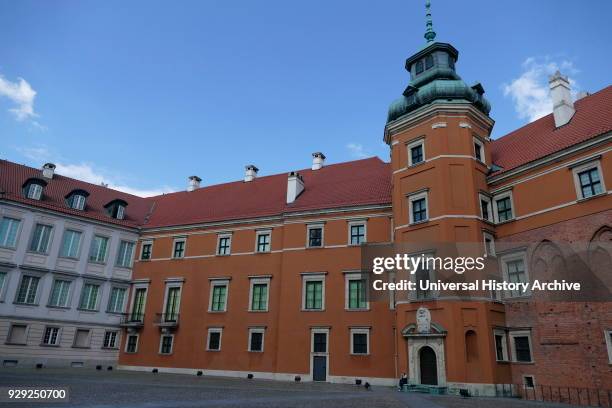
(428, 366)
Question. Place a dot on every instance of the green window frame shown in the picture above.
(219, 298)
(313, 299)
(259, 297)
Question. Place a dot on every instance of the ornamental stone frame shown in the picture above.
(415, 342)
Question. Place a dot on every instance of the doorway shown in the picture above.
(428, 365)
(319, 355)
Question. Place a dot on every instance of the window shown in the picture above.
(89, 297)
(608, 338)
(514, 271)
(319, 342)
(116, 209)
(71, 244)
(360, 341)
(99, 247)
(429, 61)
(224, 244)
(256, 340)
(313, 289)
(51, 336)
(529, 381)
(418, 208)
(165, 344)
(110, 339)
(218, 296)
(590, 183)
(315, 236)
(77, 201)
(116, 300)
(8, 232)
(485, 207)
(146, 251)
(131, 345)
(263, 241)
(503, 207)
(419, 67)
(357, 233)
(422, 275)
(489, 244)
(179, 248)
(2, 280)
(138, 305)
(34, 191)
(521, 346)
(356, 288)
(41, 238)
(259, 295)
(501, 345)
(126, 251)
(479, 152)
(213, 342)
(173, 303)
(451, 62)
(416, 152)
(59, 293)
(81, 338)
(27, 290)
(18, 334)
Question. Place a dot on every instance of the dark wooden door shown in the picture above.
(429, 366)
(319, 368)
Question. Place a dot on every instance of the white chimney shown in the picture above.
(318, 159)
(563, 106)
(295, 186)
(47, 170)
(194, 183)
(250, 173)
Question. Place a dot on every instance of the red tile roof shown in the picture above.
(354, 183)
(540, 138)
(13, 177)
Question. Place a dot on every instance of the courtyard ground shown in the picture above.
(105, 389)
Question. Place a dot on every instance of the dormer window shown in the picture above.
(116, 209)
(419, 67)
(33, 189)
(451, 62)
(76, 199)
(429, 61)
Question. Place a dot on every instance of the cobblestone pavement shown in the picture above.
(102, 389)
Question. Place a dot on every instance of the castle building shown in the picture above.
(263, 275)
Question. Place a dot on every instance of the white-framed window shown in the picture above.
(224, 244)
(3, 280)
(319, 340)
(360, 341)
(71, 244)
(131, 344)
(479, 150)
(356, 287)
(139, 300)
(259, 294)
(166, 343)
(416, 152)
(514, 268)
(520, 345)
(116, 210)
(99, 249)
(315, 236)
(28, 290)
(82, 338)
(486, 210)
(263, 241)
(256, 339)
(60, 293)
(357, 232)
(501, 345)
(213, 339)
(77, 202)
(9, 229)
(218, 295)
(489, 243)
(111, 339)
(178, 247)
(41, 238)
(89, 297)
(18, 334)
(146, 250)
(125, 254)
(172, 301)
(588, 180)
(418, 207)
(313, 291)
(608, 338)
(503, 207)
(51, 336)
(116, 300)
(34, 191)
(529, 381)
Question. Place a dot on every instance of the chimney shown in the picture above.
(250, 173)
(47, 170)
(318, 159)
(295, 186)
(563, 106)
(194, 183)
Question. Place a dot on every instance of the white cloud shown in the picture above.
(22, 95)
(88, 172)
(357, 150)
(530, 90)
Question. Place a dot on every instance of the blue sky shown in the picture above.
(143, 94)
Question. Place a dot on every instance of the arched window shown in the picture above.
(428, 61)
(471, 346)
(419, 67)
(33, 188)
(77, 199)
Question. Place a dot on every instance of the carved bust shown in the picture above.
(423, 320)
